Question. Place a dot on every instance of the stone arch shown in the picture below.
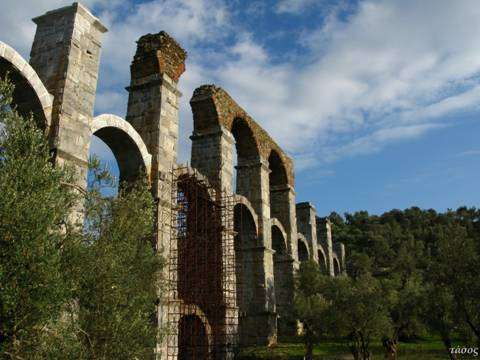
(245, 147)
(275, 223)
(214, 109)
(30, 94)
(337, 269)
(322, 258)
(303, 249)
(126, 144)
(245, 141)
(194, 334)
(240, 199)
(278, 174)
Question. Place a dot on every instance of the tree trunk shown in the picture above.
(309, 343)
(390, 346)
(309, 352)
(475, 330)
(448, 345)
(355, 346)
(364, 347)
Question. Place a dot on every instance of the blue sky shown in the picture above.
(377, 101)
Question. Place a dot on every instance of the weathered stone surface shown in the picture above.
(30, 93)
(211, 106)
(66, 54)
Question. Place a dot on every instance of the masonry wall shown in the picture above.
(153, 106)
(66, 55)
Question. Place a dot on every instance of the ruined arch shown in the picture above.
(337, 270)
(280, 230)
(322, 259)
(245, 141)
(126, 144)
(246, 151)
(194, 337)
(30, 94)
(240, 199)
(278, 173)
(214, 109)
(303, 249)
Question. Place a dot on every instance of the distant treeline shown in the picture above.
(411, 273)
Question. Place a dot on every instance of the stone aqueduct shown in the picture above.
(272, 234)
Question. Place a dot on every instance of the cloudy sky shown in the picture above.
(377, 101)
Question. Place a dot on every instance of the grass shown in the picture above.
(428, 349)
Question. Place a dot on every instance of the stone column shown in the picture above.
(307, 225)
(212, 155)
(340, 250)
(153, 105)
(66, 55)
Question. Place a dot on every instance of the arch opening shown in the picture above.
(302, 251)
(244, 152)
(278, 183)
(322, 261)
(25, 97)
(336, 267)
(121, 149)
(192, 339)
(248, 270)
(278, 173)
(126, 152)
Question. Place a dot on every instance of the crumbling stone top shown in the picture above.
(158, 53)
(305, 204)
(49, 16)
(213, 106)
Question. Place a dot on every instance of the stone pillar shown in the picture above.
(307, 225)
(212, 155)
(324, 234)
(66, 55)
(153, 105)
(282, 207)
(340, 250)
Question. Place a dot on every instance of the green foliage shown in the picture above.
(118, 285)
(70, 290)
(350, 308)
(427, 264)
(359, 312)
(310, 306)
(35, 232)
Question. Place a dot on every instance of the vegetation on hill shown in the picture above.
(410, 273)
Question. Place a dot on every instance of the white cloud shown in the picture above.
(388, 72)
(377, 140)
(294, 6)
(16, 27)
(389, 62)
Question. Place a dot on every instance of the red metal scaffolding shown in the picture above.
(202, 313)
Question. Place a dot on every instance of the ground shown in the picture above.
(427, 349)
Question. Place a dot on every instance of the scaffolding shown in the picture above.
(202, 314)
